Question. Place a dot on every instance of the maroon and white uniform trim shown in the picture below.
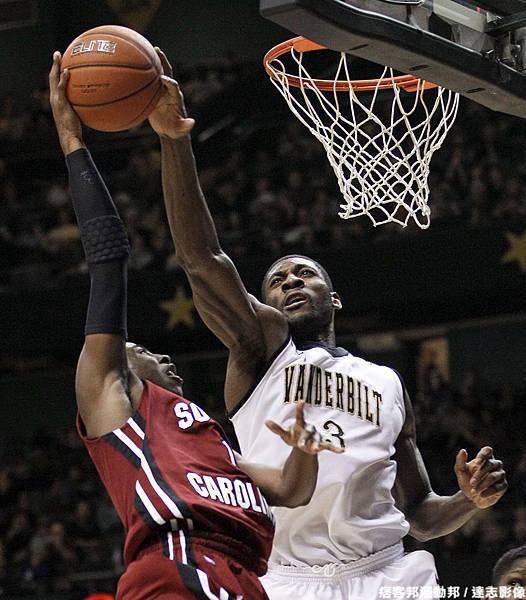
(174, 482)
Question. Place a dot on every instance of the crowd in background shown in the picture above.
(58, 530)
(266, 179)
(472, 416)
(57, 525)
(271, 191)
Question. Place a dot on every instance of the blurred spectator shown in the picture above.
(35, 572)
(18, 535)
(519, 525)
(270, 188)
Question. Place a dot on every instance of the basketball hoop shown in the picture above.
(380, 152)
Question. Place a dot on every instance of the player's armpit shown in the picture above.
(106, 390)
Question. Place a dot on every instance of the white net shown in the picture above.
(379, 142)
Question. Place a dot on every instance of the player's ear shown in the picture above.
(336, 301)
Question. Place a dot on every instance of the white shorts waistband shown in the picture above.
(356, 568)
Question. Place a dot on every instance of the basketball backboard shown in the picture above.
(474, 47)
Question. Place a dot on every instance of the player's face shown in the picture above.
(298, 289)
(515, 575)
(158, 368)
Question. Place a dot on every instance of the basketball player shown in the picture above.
(510, 569)
(347, 543)
(196, 523)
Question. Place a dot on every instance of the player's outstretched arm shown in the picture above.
(482, 482)
(294, 484)
(67, 123)
(218, 292)
(103, 378)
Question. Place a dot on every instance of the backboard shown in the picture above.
(474, 47)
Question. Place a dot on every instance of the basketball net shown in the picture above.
(380, 152)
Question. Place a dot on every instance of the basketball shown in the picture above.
(115, 77)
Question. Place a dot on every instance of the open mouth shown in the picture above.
(172, 374)
(294, 301)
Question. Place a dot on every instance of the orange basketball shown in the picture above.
(114, 81)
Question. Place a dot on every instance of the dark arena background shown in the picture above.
(446, 307)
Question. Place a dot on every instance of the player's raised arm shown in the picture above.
(482, 482)
(103, 379)
(219, 294)
(294, 484)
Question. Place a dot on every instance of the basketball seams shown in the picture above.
(146, 109)
(115, 65)
(115, 73)
(139, 117)
(114, 100)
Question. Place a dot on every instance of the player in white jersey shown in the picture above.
(347, 542)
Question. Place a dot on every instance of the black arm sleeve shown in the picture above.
(105, 244)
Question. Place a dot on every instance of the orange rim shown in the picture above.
(409, 83)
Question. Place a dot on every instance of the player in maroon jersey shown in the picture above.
(196, 522)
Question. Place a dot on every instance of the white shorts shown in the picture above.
(359, 580)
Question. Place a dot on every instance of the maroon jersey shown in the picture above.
(173, 478)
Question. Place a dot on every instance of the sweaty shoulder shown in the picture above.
(246, 364)
(274, 327)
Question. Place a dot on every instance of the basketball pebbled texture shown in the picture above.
(114, 81)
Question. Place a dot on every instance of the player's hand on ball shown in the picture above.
(301, 435)
(67, 123)
(169, 117)
(482, 480)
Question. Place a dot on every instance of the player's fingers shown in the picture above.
(56, 59)
(490, 480)
(483, 455)
(63, 82)
(172, 89)
(167, 67)
(55, 69)
(331, 448)
(307, 436)
(187, 125)
(498, 489)
(461, 461)
(300, 419)
(277, 429)
(490, 465)
(175, 96)
(170, 84)
(163, 96)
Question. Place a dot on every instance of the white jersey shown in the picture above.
(354, 404)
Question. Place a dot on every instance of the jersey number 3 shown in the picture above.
(335, 431)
